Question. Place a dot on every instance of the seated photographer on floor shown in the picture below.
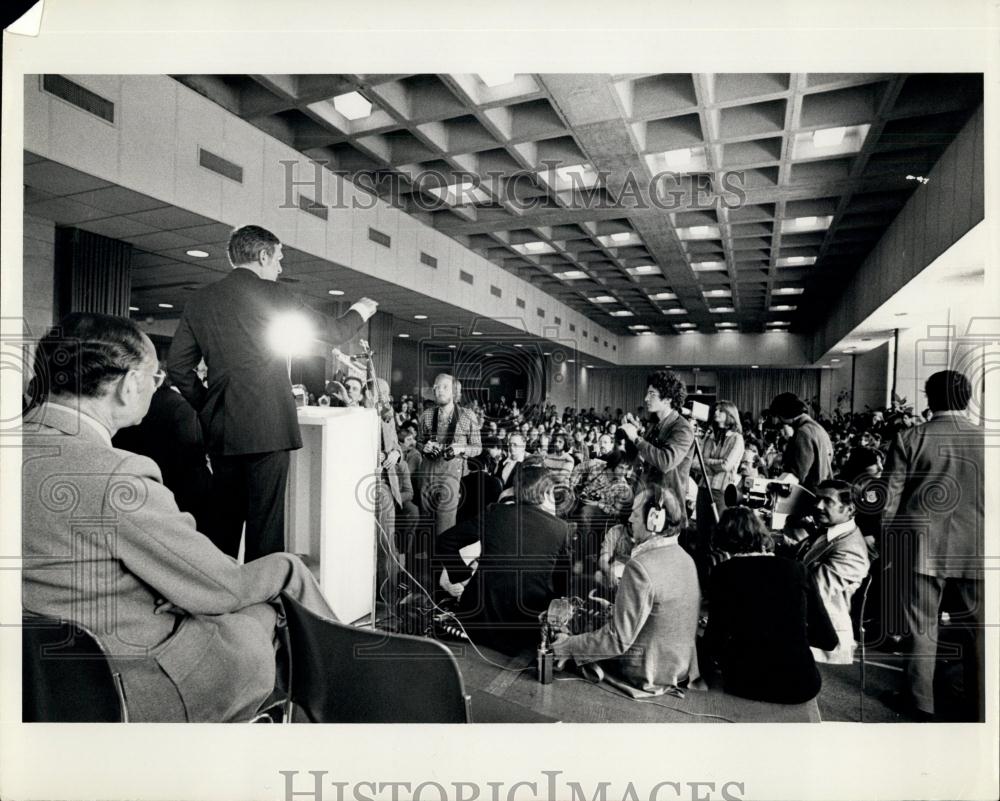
(764, 613)
(524, 564)
(648, 644)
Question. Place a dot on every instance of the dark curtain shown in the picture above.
(380, 339)
(753, 390)
(93, 273)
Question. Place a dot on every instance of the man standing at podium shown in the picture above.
(248, 411)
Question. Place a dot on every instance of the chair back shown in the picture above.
(65, 675)
(342, 674)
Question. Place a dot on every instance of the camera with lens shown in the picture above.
(773, 501)
(445, 454)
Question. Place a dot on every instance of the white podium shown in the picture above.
(330, 504)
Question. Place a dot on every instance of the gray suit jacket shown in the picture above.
(104, 543)
(935, 487)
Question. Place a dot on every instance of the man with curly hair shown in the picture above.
(667, 445)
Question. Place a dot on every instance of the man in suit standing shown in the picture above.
(190, 630)
(667, 446)
(935, 485)
(248, 411)
(837, 557)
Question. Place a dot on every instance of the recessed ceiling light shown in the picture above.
(643, 269)
(807, 223)
(353, 105)
(621, 313)
(623, 236)
(685, 325)
(675, 311)
(419, 316)
(518, 345)
(663, 296)
(721, 309)
(165, 305)
(709, 266)
(677, 158)
(477, 333)
(829, 137)
(198, 254)
(571, 177)
(725, 325)
(460, 193)
(602, 299)
(788, 290)
(494, 79)
(783, 307)
(404, 336)
(534, 247)
(718, 293)
(778, 324)
(337, 292)
(571, 275)
(793, 261)
(638, 327)
(834, 360)
(488, 355)
(644, 333)
(452, 347)
(754, 366)
(133, 308)
(699, 232)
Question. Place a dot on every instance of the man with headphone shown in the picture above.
(651, 635)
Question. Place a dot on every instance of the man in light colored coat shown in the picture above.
(190, 630)
(837, 557)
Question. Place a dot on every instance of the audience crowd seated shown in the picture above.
(492, 510)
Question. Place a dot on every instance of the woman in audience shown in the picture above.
(764, 613)
(722, 450)
(649, 642)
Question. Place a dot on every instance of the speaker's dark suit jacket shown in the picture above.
(248, 406)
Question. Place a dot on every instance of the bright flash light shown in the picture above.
(290, 334)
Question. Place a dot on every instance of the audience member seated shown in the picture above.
(837, 557)
(523, 565)
(516, 444)
(616, 550)
(190, 630)
(170, 434)
(764, 613)
(648, 645)
(558, 462)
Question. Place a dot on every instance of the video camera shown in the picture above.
(773, 501)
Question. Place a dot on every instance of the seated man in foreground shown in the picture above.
(190, 630)
(524, 564)
(651, 635)
(837, 557)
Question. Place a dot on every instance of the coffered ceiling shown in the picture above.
(647, 202)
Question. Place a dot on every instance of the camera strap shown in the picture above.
(452, 426)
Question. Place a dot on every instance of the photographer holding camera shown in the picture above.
(448, 435)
